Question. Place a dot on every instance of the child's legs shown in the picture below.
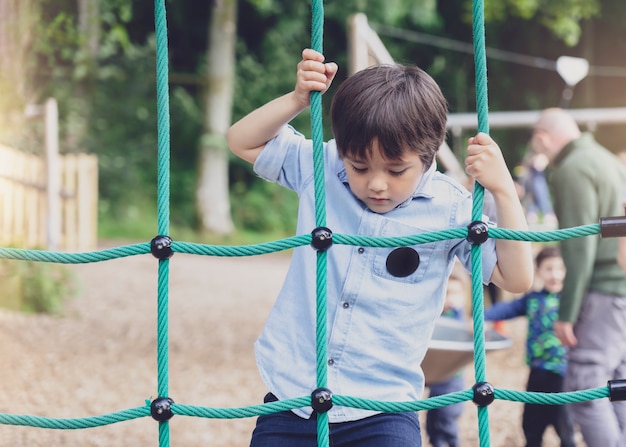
(556, 415)
(534, 423)
(441, 423)
(536, 417)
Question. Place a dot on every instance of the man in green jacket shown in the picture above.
(588, 182)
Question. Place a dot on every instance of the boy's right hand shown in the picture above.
(313, 75)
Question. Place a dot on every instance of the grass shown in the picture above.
(143, 230)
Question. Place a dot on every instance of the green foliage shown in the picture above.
(116, 95)
(260, 206)
(562, 17)
(38, 287)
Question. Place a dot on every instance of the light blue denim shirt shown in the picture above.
(379, 325)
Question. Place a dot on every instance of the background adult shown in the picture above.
(587, 182)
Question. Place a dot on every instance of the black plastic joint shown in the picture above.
(477, 232)
(483, 394)
(322, 400)
(322, 238)
(161, 247)
(617, 390)
(613, 226)
(161, 409)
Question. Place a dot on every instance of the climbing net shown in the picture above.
(162, 247)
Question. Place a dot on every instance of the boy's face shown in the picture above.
(384, 184)
(551, 272)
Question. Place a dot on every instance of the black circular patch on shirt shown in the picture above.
(402, 261)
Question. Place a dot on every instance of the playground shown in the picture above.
(99, 356)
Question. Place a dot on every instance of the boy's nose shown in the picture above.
(377, 183)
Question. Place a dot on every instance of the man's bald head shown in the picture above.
(554, 129)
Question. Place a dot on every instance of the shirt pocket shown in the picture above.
(428, 253)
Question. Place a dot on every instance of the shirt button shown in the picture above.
(361, 250)
(345, 304)
(331, 362)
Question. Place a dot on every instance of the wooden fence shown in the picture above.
(24, 201)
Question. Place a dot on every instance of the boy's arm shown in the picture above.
(484, 162)
(248, 136)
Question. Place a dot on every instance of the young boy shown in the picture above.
(545, 354)
(380, 180)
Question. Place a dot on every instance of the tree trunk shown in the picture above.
(79, 112)
(212, 199)
(18, 25)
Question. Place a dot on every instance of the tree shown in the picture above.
(212, 200)
(18, 19)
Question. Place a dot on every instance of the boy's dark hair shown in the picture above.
(400, 106)
(551, 251)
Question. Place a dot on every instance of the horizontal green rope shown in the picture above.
(242, 250)
(552, 398)
(300, 402)
(292, 242)
(75, 258)
(403, 407)
(243, 412)
(76, 423)
(545, 236)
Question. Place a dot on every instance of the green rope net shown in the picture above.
(163, 408)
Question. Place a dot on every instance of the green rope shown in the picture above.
(163, 212)
(76, 423)
(292, 242)
(300, 402)
(480, 65)
(317, 44)
(296, 241)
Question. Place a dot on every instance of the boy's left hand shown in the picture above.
(485, 163)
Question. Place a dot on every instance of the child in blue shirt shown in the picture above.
(545, 354)
(382, 303)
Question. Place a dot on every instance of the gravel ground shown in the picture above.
(99, 357)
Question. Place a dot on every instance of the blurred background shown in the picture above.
(96, 60)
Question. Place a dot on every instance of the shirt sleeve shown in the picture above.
(286, 159)
(505, 310)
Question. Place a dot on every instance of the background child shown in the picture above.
(382, 303)
(441, 423)
(545, 354)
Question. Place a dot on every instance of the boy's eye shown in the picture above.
(397, 173)
(358, 169)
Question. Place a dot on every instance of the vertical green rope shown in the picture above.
(317, 44)
(163, 196)
(480, 63)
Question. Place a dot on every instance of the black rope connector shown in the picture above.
(613, 226)
(322, 400)
(161, 409)
(161, 247)
(322, 238)
(617, 390)
(483, 394)
(478, 232)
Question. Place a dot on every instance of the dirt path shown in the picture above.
(100, 356)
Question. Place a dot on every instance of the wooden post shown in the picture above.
(364, 46)
(53, 181)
